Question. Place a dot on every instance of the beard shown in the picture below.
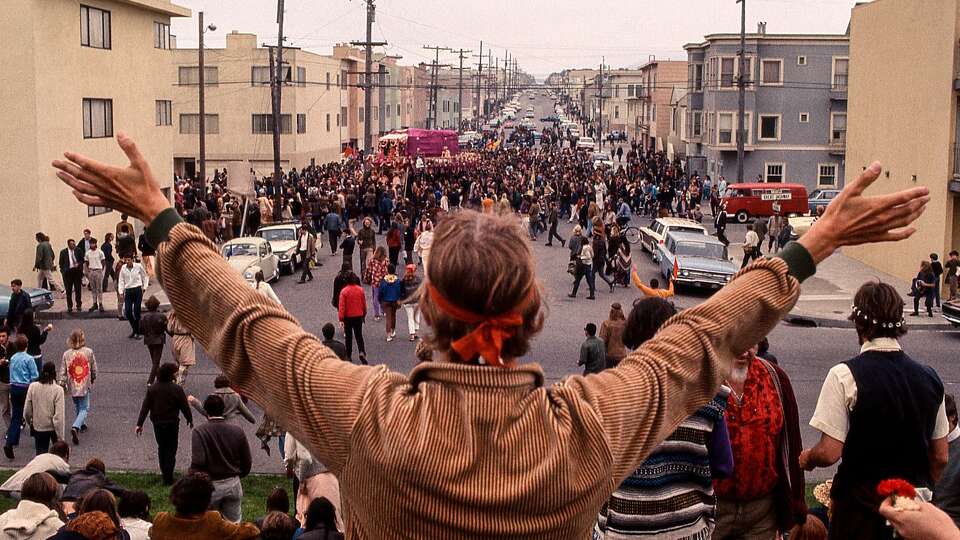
(738, 375)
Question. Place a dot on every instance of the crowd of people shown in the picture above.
(714, 453)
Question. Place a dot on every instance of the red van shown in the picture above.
(746, 201)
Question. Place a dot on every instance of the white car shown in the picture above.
(250, 254)
(283, 242)
(602, 159)
(652, 236)
(585, 143)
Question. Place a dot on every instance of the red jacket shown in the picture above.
(353, 302)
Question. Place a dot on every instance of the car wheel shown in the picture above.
(743, 216)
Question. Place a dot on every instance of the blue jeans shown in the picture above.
(82, 405)
(132, 298)
(18, 397)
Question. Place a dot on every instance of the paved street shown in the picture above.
(805, 353)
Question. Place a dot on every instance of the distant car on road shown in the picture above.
(654, 235)
(508, 124)
(249, 254)
(701, 260)
(40, 299)
(585, 143)
(283, 242)
(820, 198)
(602, 159)
(550, 119)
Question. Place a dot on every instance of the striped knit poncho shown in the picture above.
(670, 495)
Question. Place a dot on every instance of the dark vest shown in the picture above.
(891, 423)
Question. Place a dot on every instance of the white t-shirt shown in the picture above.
(839, 395)
(94, 259)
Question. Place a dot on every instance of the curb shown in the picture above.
(824, 322)
(85, 315)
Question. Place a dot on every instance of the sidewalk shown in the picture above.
(826, 298)
(59, 309)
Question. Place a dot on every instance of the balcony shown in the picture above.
(838, 90)
(838, 144)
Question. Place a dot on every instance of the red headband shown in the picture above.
(487, 338)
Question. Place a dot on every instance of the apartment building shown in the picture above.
(239, 120)
(904, 112)
(573, 84)
(795, 113)
(621, 110)
(74, 75)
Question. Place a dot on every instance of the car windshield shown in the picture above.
(702, 249)
(274, 235)
(239, 250)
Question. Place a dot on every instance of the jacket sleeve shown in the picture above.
(28, 404)
(245, 412)
(246, 462)
(198, 456)
(680, 369)
(341, 306)
(184, 406)
(721, 454)
(58, 413)
(144, 409)
(291, 374)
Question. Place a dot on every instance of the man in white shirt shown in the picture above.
(882, 413)
(132, 280)
(93, 262)
(751, 246)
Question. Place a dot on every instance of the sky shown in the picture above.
(544, 36)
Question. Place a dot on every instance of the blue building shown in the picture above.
(795, 111)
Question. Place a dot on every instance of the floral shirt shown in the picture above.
(755, 423)
(376, 270)
(78, 369)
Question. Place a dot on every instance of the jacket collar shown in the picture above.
(524, 375)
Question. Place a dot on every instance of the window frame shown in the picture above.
(779, 136)
(831, 138)
(267, 119)
(106, 31)
(833, 73)
(86, 112)
(301, 76)
(161, 40)
(164, 111)
(733, 128)
(211, 123)
(763, 71)
(801, 60)
(301, 123)
(328, 122)
(801, 120)
(207, 79)
(820, 175)
(766, 172)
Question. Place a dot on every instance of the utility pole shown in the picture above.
(600, 96)
(741, 88)
(479, 113)
(434, 80)
(490, 62)
(506, 77)
(277, 80)
(460, 53)
(203, 116)
(368, 75)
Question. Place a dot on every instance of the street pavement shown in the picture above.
(805, 353)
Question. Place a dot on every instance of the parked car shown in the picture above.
(585, 143)
(951, 312)
(654, 235)
(747, 201)
(701, 260)
(820, 198)
(40, 299)
(601, 159)
(249, 254)
(283, 242)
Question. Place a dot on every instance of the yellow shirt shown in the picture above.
(660, 293)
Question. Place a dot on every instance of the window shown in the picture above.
(328, 80)
(161, 35)
(697, 123)
(360, 116)
(398, 109)
(748, 63)
(164, 112)
(94, 27)
(302, 123)
(328, 122)
(343, 79)
(263, 123)
(190, 124)
(97, 118)
(338, 119)
(456, 106)
(97, 210)
(827, 175)
(343, 116)
(260, 75)
(841, 69)
(695, 77)
(713, 70)
(616, 111)
(804, 118)
(301, 76)
(838, 128)
(770, 127)
(725, 128)
(190, 76)
(774, 172)
(771, 72)
(801, 60)
(727, 68)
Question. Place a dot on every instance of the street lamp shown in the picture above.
(203, 115)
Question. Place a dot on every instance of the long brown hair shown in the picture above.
(482, 263)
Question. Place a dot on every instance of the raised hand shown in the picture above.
(853, 218)
(132, 189)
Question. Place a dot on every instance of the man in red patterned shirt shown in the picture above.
(765, 495)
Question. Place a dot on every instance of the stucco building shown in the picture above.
(796, 107)
(904, 102)
(73, 76)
